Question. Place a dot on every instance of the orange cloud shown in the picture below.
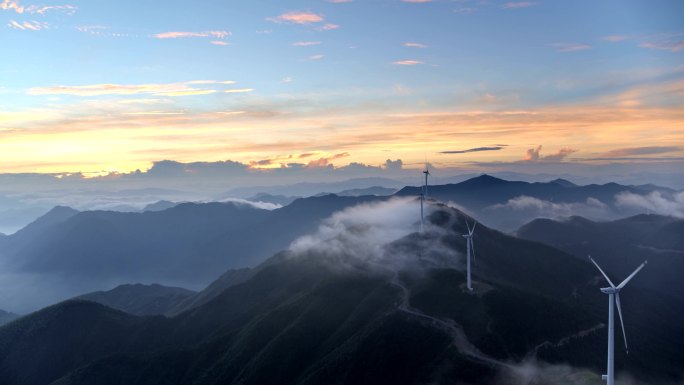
(11, 5)
(408, 62)
(326, 161)
(98, 133)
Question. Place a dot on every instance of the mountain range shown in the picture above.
(187, 245)
(621, 245)
(66, 252)
(363, 300)
(506, 205)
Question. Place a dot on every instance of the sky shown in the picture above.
(100, 88)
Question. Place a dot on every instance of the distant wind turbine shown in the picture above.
(423, 196)
(470, 251)
(426, 172)
(613, 299)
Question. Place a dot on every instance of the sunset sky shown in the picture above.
(113, 86)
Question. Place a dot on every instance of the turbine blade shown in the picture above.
(620, 286)
(466, 221)
(473, 230)
(624, 334)
(472, 248)
(601, 270)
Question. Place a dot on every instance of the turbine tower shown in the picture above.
(470, 251)
(426, 172)
(423, 196)
(613, 299)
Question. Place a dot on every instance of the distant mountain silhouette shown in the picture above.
(564, 182)
(621, 245)
(53, 217)
(275, 199)
(309, 189)
(507, 205)
(313, 319)
(375, 190)
(140, 299)
(159, 206)
(6, 317)
(190, 244)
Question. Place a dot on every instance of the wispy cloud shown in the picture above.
(219, 42)
(306, 43)
(339, 1)
(28, 25)
(476, 149)
(417, 1)
(316, 57)
(415, 45)
(155, 113)
(297, 17)
(326, 161)
(239, 90)
(570, 47)
(91, 29)
(655, 202)
(14, 5)
(464, 10)
(667, 42)
(68, 9)
(167, 89)
(518, 5)
(614, 38)
(534, 155)
(408, 62)
(650, 150)
(304, 18)
(185, 34)
(328, 27)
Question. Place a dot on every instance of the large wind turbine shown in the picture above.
(470, 250)
(423, 196)
(613, 299)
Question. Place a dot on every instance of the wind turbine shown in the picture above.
(470, 250)
(423, 196)
(426, 172)
(613, 298)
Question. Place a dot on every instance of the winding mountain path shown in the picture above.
(565, 340)
(458, 336)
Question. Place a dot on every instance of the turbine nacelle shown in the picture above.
(609, 290)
